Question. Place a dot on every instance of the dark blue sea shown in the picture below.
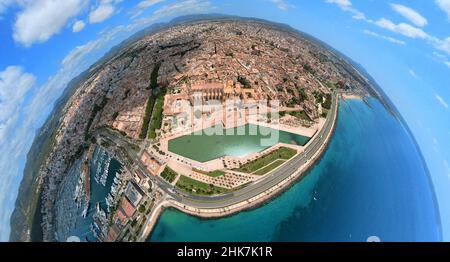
(371, 181)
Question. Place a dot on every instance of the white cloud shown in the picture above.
(5, 4)
(445, 6)
(15, 84)
(22, 125)
(441, 58)
(80, 57)
(444, 45)
(74, 63)
(441, 101)
(388, 38)
(142, 5)
(20, 120)
(402, 28)
(179, 8)
(11, 164)
(41, 19)
(340, 3)
(410, 14)
(148, 3)
(357, 15)
(281, 4)
(183, 7)
(413, 73)
(77, 54)
(103, 11)
(439, 55)
(414, 32)
(347, 6)
(78, 26)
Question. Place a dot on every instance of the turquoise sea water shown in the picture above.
(371, 181)
(205, 146)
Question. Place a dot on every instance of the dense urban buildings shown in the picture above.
(156, 107)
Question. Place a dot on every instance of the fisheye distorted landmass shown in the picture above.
(138, 132)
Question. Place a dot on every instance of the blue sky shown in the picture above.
(404, 45)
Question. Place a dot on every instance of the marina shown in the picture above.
(91, 210)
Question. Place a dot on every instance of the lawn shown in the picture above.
(156, 120)
(154, 77)
(192, 186)
(281, 153)
(269, 167)
(154, 107)
(169, 175)
(216, 173)
(147, 116)
(300, 114)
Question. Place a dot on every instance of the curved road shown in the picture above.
(248, 192)
(271, 180)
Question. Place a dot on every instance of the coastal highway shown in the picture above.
(271, 180)
(246, 193)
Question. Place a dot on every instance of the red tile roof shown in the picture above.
(121, 216)
(127, 207)
(113, 234)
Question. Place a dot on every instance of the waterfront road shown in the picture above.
(273, 179)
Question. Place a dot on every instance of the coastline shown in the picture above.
(259, 200)
(156, 214)
(251, 203)
(351, 97)
(311, 208)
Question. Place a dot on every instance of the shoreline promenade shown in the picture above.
(255, 194)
